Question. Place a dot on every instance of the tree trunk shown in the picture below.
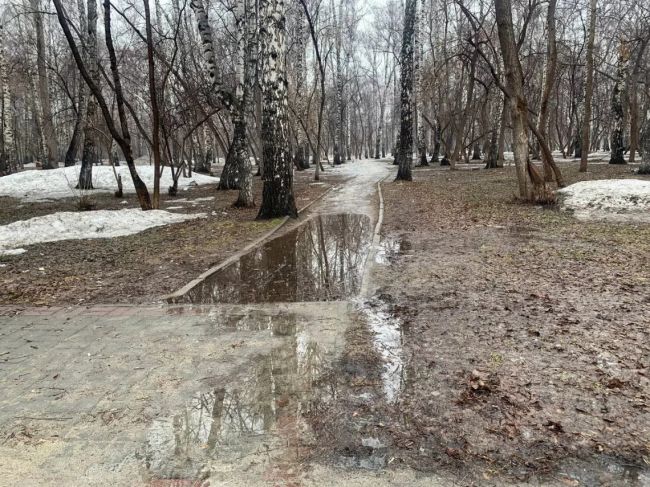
(7, 155)
(301, 156)
(460, 132)
(80, 122)
(405, 149)
(618, 115)
(75, 140)
(634, 98)
(501, 143)
(49, 136)
(514, 81)
(155, 113)
(419, 95)
(89, 155)
(549, 81)
(277, 193)
(492, 157)
(645, 144)
(339, 136)
(237, 172)
(589, 88)
(380, 130)
(435, 156)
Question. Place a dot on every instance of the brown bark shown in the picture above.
(516, 99)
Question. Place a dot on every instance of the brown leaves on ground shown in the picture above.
(524, 331)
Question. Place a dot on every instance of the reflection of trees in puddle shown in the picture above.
(322, 259)
(390, 248)
(242, 419)
(387, 340)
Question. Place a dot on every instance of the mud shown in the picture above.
(524, 344)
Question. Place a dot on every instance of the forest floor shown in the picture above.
(140, 268)
(522, 349)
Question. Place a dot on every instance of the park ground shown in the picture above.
(494, 342)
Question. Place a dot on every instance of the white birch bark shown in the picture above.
(419, 95)
(7, 157)
(405, 146)
(277, 174)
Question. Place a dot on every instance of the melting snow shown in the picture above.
(40, 185)
(621, 200)
(80, 225)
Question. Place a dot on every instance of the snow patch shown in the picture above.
(69, 225)
(41, 185)
(618, 200)
(12, 251)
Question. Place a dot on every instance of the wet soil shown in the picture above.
(321, 260)
(503, 341)
(138, 268)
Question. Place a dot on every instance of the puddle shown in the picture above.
(321, 260)
(387, 341)
(245, 422)
(605, 470)
(390, 248)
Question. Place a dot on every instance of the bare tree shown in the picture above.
(122, 135)
(49, 137)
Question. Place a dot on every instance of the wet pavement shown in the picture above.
(223, 391)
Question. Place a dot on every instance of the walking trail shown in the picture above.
(218, 391)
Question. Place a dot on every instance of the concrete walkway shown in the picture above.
(176, 395)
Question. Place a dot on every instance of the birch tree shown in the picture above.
(405, 149)
(7, 155)
(49, 136)
(277, 171)
(122, 135)
(89, 155)
(237, 167)
(419, 94)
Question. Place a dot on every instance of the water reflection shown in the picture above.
(390, 248)
(229, 424)
(387, 340)
(321, 260)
